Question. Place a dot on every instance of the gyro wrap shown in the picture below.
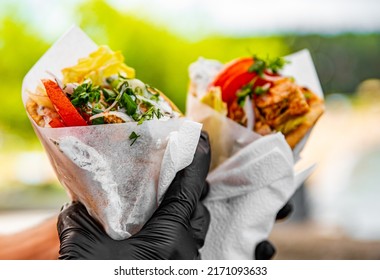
(120, 181)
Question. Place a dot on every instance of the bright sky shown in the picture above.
(197, 18)
(240, 17)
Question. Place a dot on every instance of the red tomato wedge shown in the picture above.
(57, 122)
(233, 84)
(233, 77)
(232, 68)
(69, 114)
(236, 75)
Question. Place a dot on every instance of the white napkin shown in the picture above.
(246, 191)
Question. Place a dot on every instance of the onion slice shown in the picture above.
(120, 115)
(248, 109)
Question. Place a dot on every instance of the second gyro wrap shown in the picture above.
(252, 171)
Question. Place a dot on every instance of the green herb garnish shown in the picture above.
(109, 95)
(84, 93)
(127, 102)
(260, 90)
(246, 90)
(276, 64)
(149, 115)
(97, 121)
(260, 65)
(243, 93)
(133, 136)
(120, 94)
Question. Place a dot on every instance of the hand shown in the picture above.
(176, 230)
(265, 250)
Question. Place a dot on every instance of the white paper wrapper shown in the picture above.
(120, 185)
(252, 176)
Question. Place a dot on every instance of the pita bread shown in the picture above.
(317, 108)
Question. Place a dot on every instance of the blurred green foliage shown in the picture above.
(159, 57)
(342, 61)
(19, 50)
(19, 196)
(162, 58)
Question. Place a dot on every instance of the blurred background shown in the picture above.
(336, 211)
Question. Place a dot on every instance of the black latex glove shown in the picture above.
(176, 230)
(265, 250)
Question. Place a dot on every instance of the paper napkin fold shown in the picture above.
(246, 191)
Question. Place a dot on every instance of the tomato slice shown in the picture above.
(233, 77)
(236, 75)
(68, 113)
(56, 122)
(239, 65)
(233, 84)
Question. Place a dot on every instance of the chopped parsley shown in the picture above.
(127, 102)
(85, 93)
(133, 136)
(109, 95)
(99, 120)
(261, 65)
(260, 90)
(149, 115)
(246, 90)
(130, 98)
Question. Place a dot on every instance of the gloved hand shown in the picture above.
(265, 250)
(176, 230)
